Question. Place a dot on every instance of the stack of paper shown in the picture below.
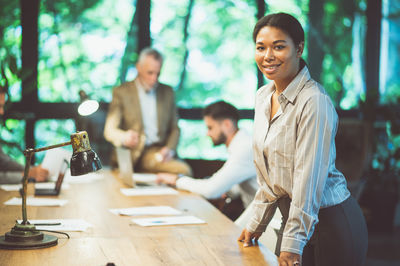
(88, 178)
(79, 225)
(172, 220)
(157, 221)
(145, 178)
(36, 201)
(151, 210)
(148, 191)
(46, 185)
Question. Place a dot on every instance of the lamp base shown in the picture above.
(25, 236)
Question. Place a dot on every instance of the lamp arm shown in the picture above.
(52, 146)
(28, 157)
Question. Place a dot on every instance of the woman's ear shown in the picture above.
(300, 49)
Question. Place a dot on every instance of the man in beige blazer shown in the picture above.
(142, 116)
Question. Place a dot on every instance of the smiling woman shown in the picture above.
(277, 56)
(295, 125)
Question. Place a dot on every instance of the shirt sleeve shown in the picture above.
(8, 164)
(10, 170)
(11, 177)
(236, 169)
(263, 212)
(264, 207)
(315, 136)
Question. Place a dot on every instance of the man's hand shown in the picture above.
(288, 258)
(165, 154)
(246, 237)
(166, 178)
(131, 139)
(38, 173)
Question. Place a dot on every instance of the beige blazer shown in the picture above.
(125, 113)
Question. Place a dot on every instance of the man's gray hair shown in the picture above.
(148, 51)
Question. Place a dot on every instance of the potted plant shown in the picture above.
(381, 194)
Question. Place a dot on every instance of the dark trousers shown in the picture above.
(340, 237)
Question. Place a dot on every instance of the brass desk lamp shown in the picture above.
(25, 235)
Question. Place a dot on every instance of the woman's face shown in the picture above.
(276, 56)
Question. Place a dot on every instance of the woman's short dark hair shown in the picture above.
(284, 22)
(222, 110)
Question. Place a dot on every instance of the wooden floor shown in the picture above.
(384, 248)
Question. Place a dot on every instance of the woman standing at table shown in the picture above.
(294, 151)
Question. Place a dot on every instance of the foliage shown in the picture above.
(51, 132)
(14, 135)
(220, 60)
(10, 39)
(390, 56)
(343, 52)
(72, 50)
(386, 159)
(82, 43)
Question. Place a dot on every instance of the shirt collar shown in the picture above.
(296, 85)
(143, 90)
(235, 139)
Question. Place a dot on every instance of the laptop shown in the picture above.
(57, 186)
(125, 166)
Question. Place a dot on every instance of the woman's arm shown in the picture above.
(312, 159)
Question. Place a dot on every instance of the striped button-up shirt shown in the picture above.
(295, 154)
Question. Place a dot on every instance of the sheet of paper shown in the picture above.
(148, 191)
(171, 220)
(46, 185)
(53, 160)
(78, 225)
(88, 178)
(145, 178)
(150, 210)
(50, 185)
(36, 201)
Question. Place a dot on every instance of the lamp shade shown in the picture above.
(84, 160)
(87, 106)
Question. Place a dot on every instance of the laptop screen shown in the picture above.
(61, 174)
(125, 166)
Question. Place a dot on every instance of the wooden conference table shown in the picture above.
(116, 239)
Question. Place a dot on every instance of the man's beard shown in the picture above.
(220, 140)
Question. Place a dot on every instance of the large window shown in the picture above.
(219, 62)
(92, 46)
(390, 56)
(81, 48)
(12, 135)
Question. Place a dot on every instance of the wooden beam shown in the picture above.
(372, 56)
(40, 110)
(29, 57)
(143, 7)
(261, 9)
